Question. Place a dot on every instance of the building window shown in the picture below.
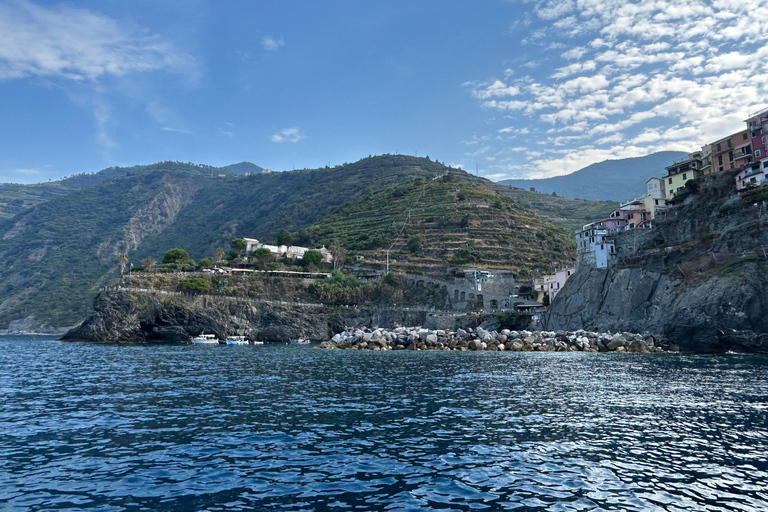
(765, 164)
(730, 156)
(670, 181)
(656, 201)
(719, 162)
(718, 146)
(757, 152)
(744, 136)
(684, 177)
(729, 143)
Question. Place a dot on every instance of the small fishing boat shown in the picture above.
(300, 341)
(236, 340)
(205, 339)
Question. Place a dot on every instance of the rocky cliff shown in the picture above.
(139, 317)
(700, 277)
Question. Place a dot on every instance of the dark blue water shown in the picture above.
(112, 428)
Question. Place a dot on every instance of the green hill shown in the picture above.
(429, 223)
(55, 254)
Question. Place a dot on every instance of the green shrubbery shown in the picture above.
(194, 284)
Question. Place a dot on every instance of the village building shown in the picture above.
(757, 125)
(292, 252)
(679, 173)
(561, 277)
(594, 243)
(753, 176)
(706, 159)
(541, 286)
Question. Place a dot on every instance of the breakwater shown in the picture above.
(417, 338)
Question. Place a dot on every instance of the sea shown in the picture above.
(294, 428)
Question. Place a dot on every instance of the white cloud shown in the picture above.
(644, 76)
(291, 135)
(78, 44)
(271, 44)
(496, 89)
(553, 9)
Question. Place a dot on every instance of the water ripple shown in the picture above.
(123, 428)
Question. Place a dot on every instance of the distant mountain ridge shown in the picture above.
(16, 197)
(611, 180)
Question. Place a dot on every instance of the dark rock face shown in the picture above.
(126, 317)
(713, 313)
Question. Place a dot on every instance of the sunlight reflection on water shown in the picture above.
(291, 428)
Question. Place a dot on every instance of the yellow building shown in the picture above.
(679, 173)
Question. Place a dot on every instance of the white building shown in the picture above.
(293, 252)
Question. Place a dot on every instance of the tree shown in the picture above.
(262, 256)
(464, 221)
(176, 255)
(414, 244)
(238, 244)
(122, 261)
(284, 237)
(195, 284)
(205, 263)
(339, 254)
(312, 257)
(148, 263)
(220, 254)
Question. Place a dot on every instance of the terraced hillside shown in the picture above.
(429, 224)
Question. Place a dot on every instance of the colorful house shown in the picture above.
(678, 175)
(561, 276)
(757, 125)
(755, 175)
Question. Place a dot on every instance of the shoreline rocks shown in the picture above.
(417, 338)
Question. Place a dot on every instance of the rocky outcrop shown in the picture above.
(715, 312)
(132, 317)
(417, 338)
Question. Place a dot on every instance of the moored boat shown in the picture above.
(205, 339)
(236, 340)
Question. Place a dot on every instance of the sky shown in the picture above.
(510, 88)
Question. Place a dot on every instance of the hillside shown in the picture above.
(16, 198)
(54, 255)
(429, 223)
(612, 180)
(699, 277)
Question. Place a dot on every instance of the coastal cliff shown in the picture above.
(699, 277)
(126, 316)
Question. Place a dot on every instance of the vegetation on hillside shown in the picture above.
(427, 224)
(55, 254)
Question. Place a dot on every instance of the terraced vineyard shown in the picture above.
(427, 224)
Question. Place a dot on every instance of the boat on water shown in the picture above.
(300, 341)
(236, 340)
(205, 339)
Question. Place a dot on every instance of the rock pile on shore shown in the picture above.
(416, 338)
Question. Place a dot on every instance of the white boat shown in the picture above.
(236, 340)
(205, 339)
(300, 341)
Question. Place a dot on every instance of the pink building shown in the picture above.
(754, 176)
(561, 276)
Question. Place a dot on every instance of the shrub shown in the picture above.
(194, 284)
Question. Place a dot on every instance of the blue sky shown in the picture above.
(518, 88)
